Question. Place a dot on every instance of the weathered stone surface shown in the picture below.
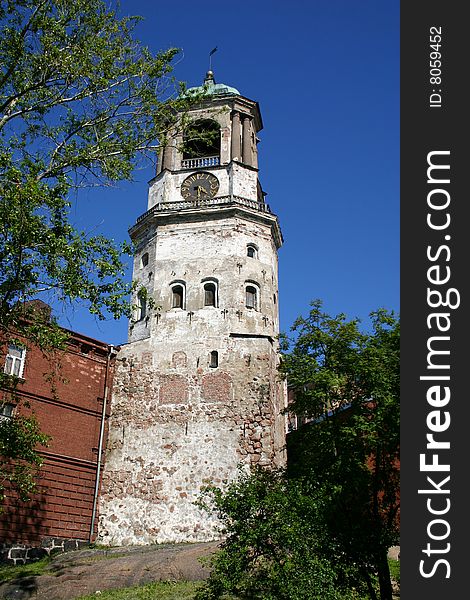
(180, 418)
(74, 574)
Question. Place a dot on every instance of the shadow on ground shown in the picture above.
(81, 572)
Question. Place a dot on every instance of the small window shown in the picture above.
(251, 297)
(210, 294)
(214, 359)
(6, 410)
(14, 362)
(145, 259)
(252, 251)
(141, 307)
(177, 296)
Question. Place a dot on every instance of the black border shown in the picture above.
(425, 129)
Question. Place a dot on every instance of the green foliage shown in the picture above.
(159, 590)
(347, 383)
(81, 103)
(276, 545)
(19, 459)
(394, 566)
(33, 569)
(321, 530)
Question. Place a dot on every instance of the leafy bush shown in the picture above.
(276, 546)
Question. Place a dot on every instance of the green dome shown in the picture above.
(212, 88)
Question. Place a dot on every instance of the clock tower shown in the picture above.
(196, 392)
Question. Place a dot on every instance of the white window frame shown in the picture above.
(215, 283)
(253, 247)
(182, 285)
(15, 363)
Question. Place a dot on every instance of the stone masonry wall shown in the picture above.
(178, 423)
(173, 433)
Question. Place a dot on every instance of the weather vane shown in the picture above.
(210, 57)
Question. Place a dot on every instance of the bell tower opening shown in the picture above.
(201, 140)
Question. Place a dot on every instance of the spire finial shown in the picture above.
(210, 59)
(209, 80)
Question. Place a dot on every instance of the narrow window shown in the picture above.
(142, 307)
(210, 294)
(177, 300)
(214, 361)
(251, 251)
(145, 259)
(14, 362)
(251, 299)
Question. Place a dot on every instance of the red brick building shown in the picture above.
(70, 396)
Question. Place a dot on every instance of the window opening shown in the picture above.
(251, 300)
(201, 138)
(145, 259)
(14, 362)
(6, 410)
(177, 296)
(142, 307)
(251, 251)
(210, 294)
(214, 361)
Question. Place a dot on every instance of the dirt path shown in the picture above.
(74, 574)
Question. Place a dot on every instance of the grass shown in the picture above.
(8, 572)
(394, 566)
(160, 590)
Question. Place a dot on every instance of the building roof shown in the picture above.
(211, 88)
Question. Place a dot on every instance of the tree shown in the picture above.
(19, 458)
(81, 103)
(275, 545)
(323, 528)
(346, 383)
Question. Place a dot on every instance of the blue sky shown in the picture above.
(326, 76)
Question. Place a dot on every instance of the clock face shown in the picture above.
(200, 186)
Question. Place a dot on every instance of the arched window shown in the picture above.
(201, 139)
(178, 299)
(210, 294)
(141, 307)
(214, 359)
(252, 251)
(145, 259)
(251, 294)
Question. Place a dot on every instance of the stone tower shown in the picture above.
(196, 392)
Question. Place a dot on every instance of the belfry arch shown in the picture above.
(201, 139)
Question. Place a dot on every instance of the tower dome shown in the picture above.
(211, 88)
